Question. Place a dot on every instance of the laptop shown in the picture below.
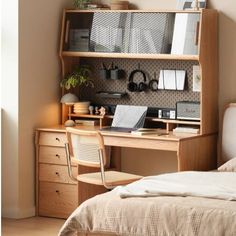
(127, 118)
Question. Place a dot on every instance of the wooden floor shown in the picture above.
(35, 226)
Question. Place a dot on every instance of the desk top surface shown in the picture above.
(159, 136)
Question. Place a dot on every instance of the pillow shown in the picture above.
(229, 166)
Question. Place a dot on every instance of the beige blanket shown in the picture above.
(153, 216)
(218, 185)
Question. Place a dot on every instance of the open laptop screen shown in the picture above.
(129, 116)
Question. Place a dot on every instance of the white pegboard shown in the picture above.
(160, 98)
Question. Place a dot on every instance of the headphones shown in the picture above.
(134, 87)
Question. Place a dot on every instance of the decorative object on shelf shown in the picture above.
(172, 79)
(69, 99)
(79, 40)
(81, 75)
(96, 111)
(190, 4)
(102, 111)
(91, 109)
(186, 34)
(81, 4)
(119, 5)
(81, 107)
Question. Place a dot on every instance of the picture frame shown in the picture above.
(190, 4)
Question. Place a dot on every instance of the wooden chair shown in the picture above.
(87, 148)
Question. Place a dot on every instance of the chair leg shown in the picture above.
(69, 168)
(103, 171)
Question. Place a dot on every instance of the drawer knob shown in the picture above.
(57, 155)
(57, 173)
(58, 139)
(57, 191)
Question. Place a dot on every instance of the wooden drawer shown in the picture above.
(52, 155)
(52, 139)
(56, 173)
(57, 200)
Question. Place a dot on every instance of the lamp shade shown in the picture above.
(69, 98)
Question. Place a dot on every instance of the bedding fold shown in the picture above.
(190, 183)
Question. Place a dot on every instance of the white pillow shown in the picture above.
(229, 166)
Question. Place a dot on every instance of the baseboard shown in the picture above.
(17, 213)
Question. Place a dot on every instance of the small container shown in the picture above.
(119, 5)
(105, 74)
(117, 74)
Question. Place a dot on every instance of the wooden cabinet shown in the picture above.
(56, 193)
(203, 38)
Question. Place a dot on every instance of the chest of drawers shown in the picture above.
(56, 193)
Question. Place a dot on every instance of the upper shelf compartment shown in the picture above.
(131, 34)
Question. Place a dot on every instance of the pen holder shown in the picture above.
(117, 74)
(105, 74)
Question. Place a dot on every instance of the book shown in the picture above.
(87, 122)
(186, 130)
(145, 131)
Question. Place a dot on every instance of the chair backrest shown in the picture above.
(84, 147)
(229, 133)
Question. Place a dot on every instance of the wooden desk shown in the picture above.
(193, 152)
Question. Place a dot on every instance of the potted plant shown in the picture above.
(81, 4)
(81, 75)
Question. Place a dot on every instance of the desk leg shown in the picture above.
(198, 153)
(116, 158)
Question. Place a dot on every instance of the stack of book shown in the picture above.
(146, 131)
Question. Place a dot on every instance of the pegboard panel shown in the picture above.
(160, 98)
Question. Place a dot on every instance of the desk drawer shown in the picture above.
(52, 155)
(52, 139)
(56, 173)
(57, 200)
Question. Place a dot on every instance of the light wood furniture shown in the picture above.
(87, 148)
(193, 152)
(207, 58)
(56, 194)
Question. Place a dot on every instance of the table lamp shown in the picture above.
(69, 99)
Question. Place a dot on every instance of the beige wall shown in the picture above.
(39, 96)
(36, 97)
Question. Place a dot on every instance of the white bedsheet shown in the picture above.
(217, 185)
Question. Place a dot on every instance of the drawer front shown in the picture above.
(57, 200)
(52, 139)
(52, 155)
(56, 173)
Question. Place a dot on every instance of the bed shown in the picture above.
(183, 204)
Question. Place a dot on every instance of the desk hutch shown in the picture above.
(56, 195)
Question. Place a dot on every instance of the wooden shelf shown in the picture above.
(135, 11)
(148, 118)
(131, 56)
(86, 116)
(176, 121)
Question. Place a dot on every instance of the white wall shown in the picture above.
(9, 106)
